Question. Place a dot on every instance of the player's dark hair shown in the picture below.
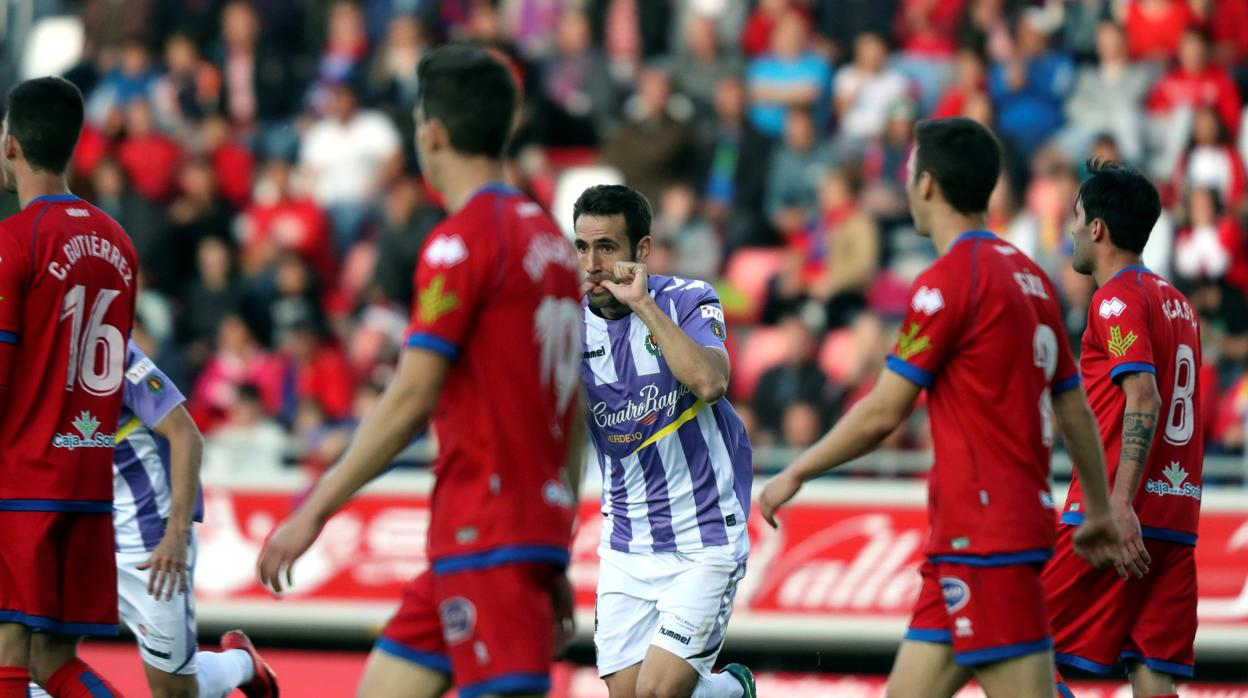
(1123, 198)
(963, 157)
(45, 116)
(472, 94)
(616, 199)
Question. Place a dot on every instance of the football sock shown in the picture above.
(1062, 689)
(77, 680)
(219, 673)
(718, 686)
(36, 691)
(13, 681)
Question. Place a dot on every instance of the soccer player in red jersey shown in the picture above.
(982, 335)
(67, 294)
(1140, 360)
(495, 345)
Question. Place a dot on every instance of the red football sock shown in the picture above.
(77, 680)
(13, 681)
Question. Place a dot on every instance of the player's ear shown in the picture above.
(926, 185)
(642, 252)
(1098, 231)
(12, 149)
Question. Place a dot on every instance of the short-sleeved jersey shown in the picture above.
(142, 485)
(67, 294)
(496, 293)
(676, 471)
(1139, 323)
(984, 335)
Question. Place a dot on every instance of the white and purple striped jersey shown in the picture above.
(676, 472)
(141, 483)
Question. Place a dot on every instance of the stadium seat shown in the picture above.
(747, 273)
(763, 348)
(838, 354)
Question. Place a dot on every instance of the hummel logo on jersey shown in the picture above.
(446, 251)
(596, 353)
(1118, 345)
(1111, 308)
(434, 303)
(86, 424)
(962, 627)
(1176, 475)
(927, 301)
(682, 639)
(909, 343)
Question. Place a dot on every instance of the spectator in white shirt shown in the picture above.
(865, 90)
(348, 158)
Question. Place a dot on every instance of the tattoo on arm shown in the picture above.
(1137, 436)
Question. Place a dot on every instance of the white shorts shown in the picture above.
(679, 602)
(165, 630)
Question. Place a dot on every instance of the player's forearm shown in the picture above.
(574, 460)
(703, 370)
(380, 438)
(186, 454)
(1139, 423)
(862, 428)
(1083, 442)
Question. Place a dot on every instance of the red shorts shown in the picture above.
(492, 629)
(987, 613)
(1100, 618)
(58, 572)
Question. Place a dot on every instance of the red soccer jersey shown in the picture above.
(1139, 323)
(984, 335)
(67, 293)
(496, 292)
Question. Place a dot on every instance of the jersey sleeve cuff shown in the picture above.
(1132, 367)
(7, 337)
(919, 376)
(1068, 383)
(434, 343)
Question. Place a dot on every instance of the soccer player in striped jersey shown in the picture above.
(674, 458)
(156, 500)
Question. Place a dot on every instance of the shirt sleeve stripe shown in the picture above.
(1132, 367)
(434, 343)
(920, 377)
(8, 337)
(1068, 383)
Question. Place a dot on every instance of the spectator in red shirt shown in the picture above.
(928, 33)
(1155, 28)
(149, 159)
(284, 220)
(1228, 25)
(1211, 248)
(315, 369)
(756, 36)
(969, 80)
(232, 163)
(1197, 82)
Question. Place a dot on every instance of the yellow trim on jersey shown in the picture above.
(685, 416)
(128, 428)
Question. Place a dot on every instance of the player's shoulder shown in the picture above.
(681, 291)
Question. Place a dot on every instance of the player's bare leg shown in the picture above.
(664, 675)
(387, 676)
(54, 665)
(925, 670)
(14, 644)
(1028, 676)
(49, 652)
(623, 683)
(1146, 683)
(166, 685)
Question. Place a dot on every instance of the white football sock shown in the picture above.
(219, 673)
(36, 692)
(718, 686)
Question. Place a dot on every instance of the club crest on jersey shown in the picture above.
(1118, 344)
(1176, 485)
(435, 301)
(154, 384)
(909, 343)
(928, 301)
(87, 426)
(652, 346)
(459, 618)
(446, 251)
(717, 330)
(1111, 308)
(956, 592)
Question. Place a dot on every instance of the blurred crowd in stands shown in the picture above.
(260, 154)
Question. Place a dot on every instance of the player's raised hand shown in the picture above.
(290, 540)
(168, 566)
(779, 490)
(1133, 556)
(630, 282)
(1096, 540)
